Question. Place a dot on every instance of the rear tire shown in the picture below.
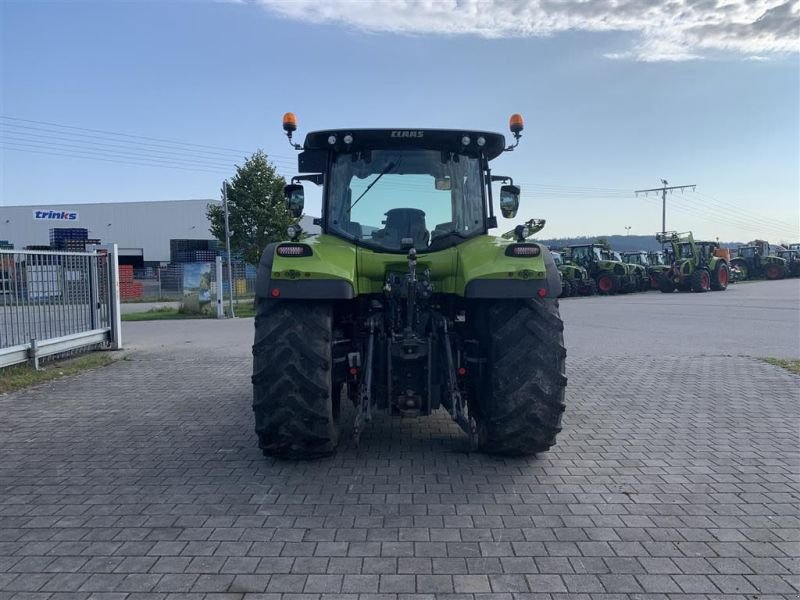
(589, 287)
(744, 271)
(721, 277)
(666, 284)
(520, 406)
(607, 283)
(566, 289)
(775, 272)
(700, 281)
(293, 398)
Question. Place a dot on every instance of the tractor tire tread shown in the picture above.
(521, 412)
(292, 385)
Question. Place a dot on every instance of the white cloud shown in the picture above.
(665, 30)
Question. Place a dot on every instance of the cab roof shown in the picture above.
(450, 140)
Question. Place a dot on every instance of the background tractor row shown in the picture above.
(695, 266)
(609, 273)
(792, 258)
(652, 263)
(754, 261)
(575, 278)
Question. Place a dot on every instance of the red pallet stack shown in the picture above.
(128, 288)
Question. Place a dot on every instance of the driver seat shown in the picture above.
(406, 223)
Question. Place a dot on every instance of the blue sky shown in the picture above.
(606, 112)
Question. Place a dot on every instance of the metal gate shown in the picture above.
(52, 302)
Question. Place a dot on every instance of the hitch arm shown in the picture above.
(458, 409)
(363, 411)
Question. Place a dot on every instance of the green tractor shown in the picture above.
(651, 262)
(404, 304)
(754, 261)
(696, 266)
(792, 258)
(637, 273)
(611, 276)
(575, 278)
(658, 265)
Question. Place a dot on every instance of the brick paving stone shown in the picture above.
(652, 492)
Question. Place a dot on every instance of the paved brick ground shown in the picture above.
(673, 478)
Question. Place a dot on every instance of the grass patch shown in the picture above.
(163, 313)
(244, 310)
(23, 376)
(792, 365)
(149, 299)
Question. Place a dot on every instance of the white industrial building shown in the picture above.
(142, 230)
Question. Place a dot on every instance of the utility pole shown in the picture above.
(664, 189)
(228, 247)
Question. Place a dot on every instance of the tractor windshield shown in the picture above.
(748, 252)
(586, 254)
(686, 250)
(397, 199)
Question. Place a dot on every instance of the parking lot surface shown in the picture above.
(676, 476)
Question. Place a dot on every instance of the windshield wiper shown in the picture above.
(389, 166)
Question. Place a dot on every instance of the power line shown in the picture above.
(724, 206)
(124, 145)
(742, 226)
(61, 134)
(116, 133)
(110, 160)
(743, 219)
(115, 153)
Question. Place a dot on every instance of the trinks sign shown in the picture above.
(55, 215)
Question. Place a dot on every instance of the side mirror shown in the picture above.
(295, 199)
(509, 201)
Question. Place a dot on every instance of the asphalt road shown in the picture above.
(759, 319)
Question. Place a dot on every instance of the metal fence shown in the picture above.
(166, 283)
(54, 302)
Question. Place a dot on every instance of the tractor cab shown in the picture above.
(584, 255)
(636, 258)
(391, 190)
(656, 258)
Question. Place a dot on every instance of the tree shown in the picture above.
(603, 243)
(257, 213)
